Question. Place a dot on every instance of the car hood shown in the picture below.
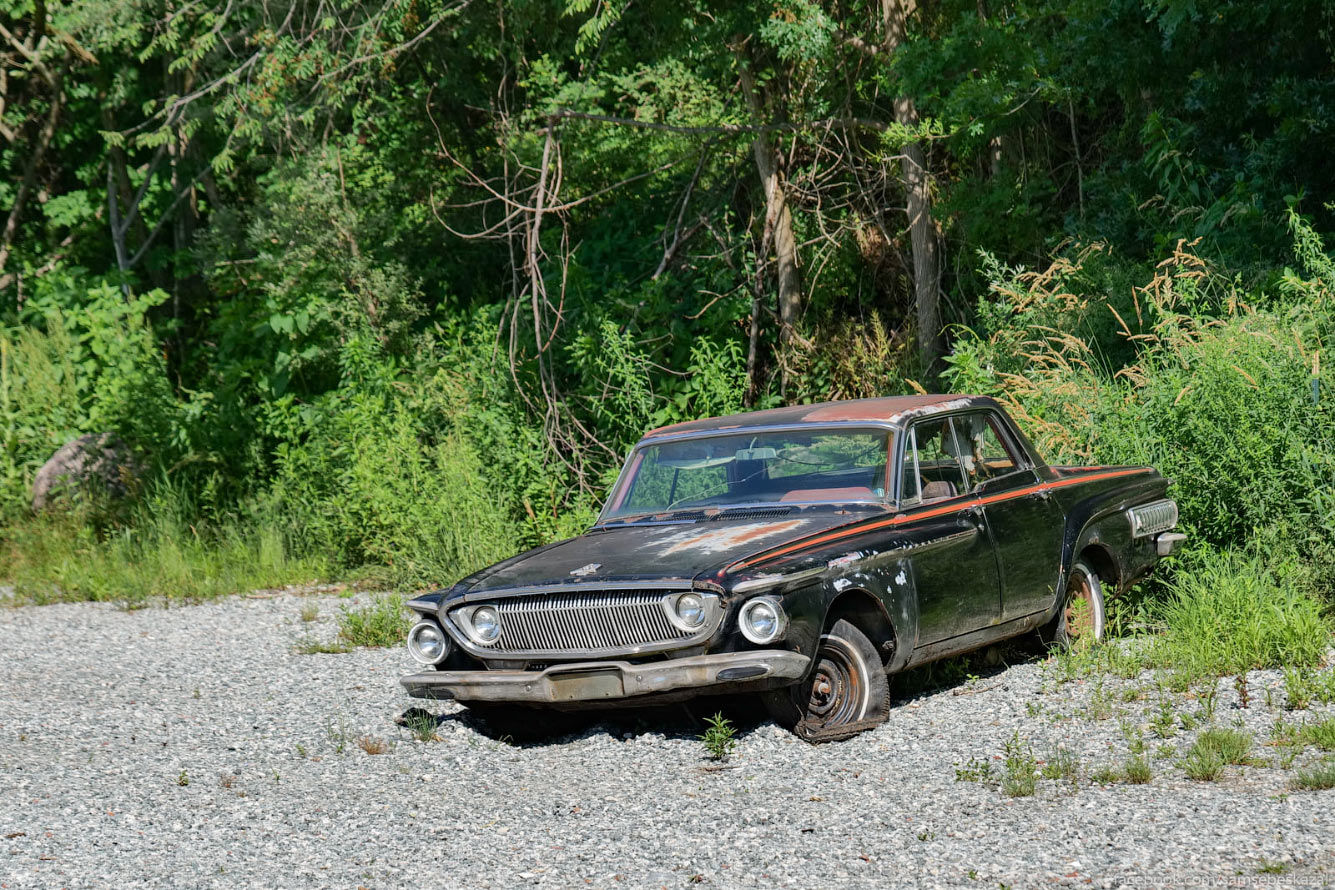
(647, 552)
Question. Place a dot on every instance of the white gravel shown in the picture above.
(194, 747)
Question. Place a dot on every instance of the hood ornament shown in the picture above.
(588, 569)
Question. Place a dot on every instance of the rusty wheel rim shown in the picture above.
(838, 687)
(1080, 608)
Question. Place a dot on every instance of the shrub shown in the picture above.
(384, 622)
(1228, 612)
(719, 737)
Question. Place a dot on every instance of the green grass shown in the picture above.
(383, 622)
(1020, 778)
(1215, 749)
(1230, 612)
(160, 557)
(1319, 777)
(1320, 734)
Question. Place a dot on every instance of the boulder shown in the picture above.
(96, 463)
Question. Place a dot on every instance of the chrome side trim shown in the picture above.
(763, 582)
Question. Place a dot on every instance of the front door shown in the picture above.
(954, 565)
(1025, 522)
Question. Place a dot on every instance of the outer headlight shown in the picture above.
(427, 642)
(762, 620)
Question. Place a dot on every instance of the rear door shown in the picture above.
(1025, 522)
(954, 566)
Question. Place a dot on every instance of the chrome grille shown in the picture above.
(597, 621)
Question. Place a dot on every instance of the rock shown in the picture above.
(96, 462)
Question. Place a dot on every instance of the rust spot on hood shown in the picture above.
(718, 540)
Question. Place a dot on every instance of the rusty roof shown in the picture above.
(888, 409)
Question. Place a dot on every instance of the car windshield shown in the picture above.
(801, 466)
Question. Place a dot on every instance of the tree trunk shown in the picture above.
(917, 189)
(778, 218)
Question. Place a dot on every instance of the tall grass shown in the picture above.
(154, 559)
(1227, 612)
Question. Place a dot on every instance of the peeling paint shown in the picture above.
(901, 579)
(842, 584)
(720, 540)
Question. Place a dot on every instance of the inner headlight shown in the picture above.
(486, 624)
(427, 643)
(691, 610)
(762, 620)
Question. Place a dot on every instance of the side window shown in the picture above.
(931, 472)
(982, 451)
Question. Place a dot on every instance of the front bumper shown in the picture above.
(602, 680)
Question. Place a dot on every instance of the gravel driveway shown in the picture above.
(194, 747)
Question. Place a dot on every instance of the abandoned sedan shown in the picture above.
(804, 554)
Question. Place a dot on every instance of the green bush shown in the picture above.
(384, 622)
(1227, 612)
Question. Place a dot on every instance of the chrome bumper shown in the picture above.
(595, 680)
(1168, 543)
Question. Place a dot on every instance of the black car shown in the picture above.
(801, 553)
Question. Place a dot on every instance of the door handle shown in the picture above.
(1041, 494)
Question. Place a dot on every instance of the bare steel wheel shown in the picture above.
(1082, 617)
(847, 692)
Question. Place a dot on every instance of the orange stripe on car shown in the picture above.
(928, 514)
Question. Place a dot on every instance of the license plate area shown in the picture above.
(586, 684)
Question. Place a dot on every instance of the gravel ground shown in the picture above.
(195, 747)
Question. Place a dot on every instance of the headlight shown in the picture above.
(762, 620)
(427, 643)
(691, 610)
(486, 624)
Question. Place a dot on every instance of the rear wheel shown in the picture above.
(847, 693)
(1082, 618)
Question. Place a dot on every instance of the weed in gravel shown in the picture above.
(309, 611)
(1213, 750)
(1132, 693)
(183, 779)
(1271, 868)
(338, 733)
(1137, 769)
(1244, 692)
(372, 745)
(719, 737)
(1297, 687)
(1164, 722)
(1106, 775)
(1232, 744)
(227, 780)
(975, 770)
(1061, 765)
(1100, 703)
(1209, 695)
(1164, 751)
(422, 725)
(312, 646)
(1321, 734)
(1319, 777)
(383, 622)
(1021, 774)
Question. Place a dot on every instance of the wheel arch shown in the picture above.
(865, 611)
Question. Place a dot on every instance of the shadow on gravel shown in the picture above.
(527, 727)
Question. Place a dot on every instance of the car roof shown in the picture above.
(893, 410)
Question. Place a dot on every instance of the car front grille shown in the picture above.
(603, 621)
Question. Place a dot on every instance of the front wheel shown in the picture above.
(1082, 618)
(848, 691)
